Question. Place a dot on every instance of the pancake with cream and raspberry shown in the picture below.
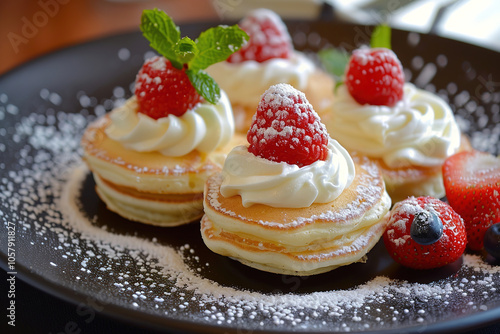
(152, 156)
(268, 59)
(406, 131)
(293, 201)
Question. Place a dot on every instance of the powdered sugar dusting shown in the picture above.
(167, 280)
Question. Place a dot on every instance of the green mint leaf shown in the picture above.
(186, 49)
(334, 61)
(217, 44)
(337, 85)
(162, 33)
(381, 37)
(204, 85)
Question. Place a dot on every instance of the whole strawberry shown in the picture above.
(424, 233)
(269, 38)
(162, 89)
(472, 184)
(286, 128)
(375, 76)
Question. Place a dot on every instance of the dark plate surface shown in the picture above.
(69, 244)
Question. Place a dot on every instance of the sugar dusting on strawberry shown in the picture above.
(440, 248)
(472, 183)
(161, 89)
(375, 76)
(269, 38)
(286, 128)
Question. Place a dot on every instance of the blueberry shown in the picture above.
(492, 240)
(426, 228)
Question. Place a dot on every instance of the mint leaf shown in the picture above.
(337, 85)
(162, 33)
(186, 49)
(204, 85)
(381, 37)
(334, 61)
(217, 44)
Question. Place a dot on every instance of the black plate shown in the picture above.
(92, 254)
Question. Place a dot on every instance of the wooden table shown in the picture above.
(30, 28)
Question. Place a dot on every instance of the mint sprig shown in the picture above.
(212, 46)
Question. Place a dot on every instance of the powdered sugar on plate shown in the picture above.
(41, 193)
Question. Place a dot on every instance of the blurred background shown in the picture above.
(30, 28)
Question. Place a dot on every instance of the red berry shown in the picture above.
(161, 89)
(375, 76)
(405, 250)
(472, 183)
(269, 38)
(286, 128)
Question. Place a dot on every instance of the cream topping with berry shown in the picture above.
(279, 184)
(418, 130)
(234, 77)
(205, 128)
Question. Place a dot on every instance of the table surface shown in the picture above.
(30, 29)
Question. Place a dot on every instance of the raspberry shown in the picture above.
(375, 76)
(161, 89)
(416, 240)
(286, 128)
(269, 38)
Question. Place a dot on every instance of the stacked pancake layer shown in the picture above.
(298, 241)
(149, 187)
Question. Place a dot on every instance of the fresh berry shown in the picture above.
(472, 183)
(375, 76)
(269, 38)
(405, 250)
(286, 128)
(163, 90)
(492, 240)
(426, 228)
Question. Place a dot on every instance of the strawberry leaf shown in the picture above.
(204, 85)
(216, 45)
(162, 33)
(381, 37)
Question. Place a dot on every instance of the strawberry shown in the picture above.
(286, 128)
(161, 89)
(424, 233)
(375, 76)
(472, 184)
(269, 38)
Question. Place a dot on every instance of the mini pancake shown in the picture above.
(415, 180)
(149, 187)
(302, 241)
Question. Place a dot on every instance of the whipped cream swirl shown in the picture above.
(419, 130)
(205, 128)
(281, 185)
(246, 81)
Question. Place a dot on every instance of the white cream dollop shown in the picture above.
(244, 82)
(205, 128)
(278, 184)
(419, 130)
